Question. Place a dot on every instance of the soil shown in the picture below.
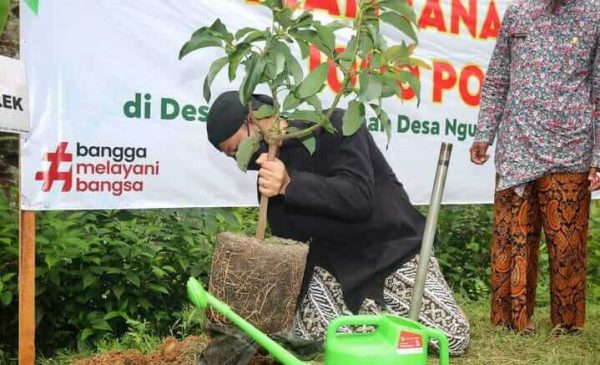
(170, 352)
(259, 280)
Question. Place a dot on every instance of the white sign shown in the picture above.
(14, 117)
(119, 121)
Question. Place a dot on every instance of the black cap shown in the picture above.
(227, 114)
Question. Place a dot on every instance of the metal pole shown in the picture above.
(430, 227)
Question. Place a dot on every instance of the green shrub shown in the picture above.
(99, 272)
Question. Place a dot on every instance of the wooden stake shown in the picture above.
(27, 289)
(26, 279)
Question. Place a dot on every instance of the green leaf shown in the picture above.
(366, 45)
(158, 272)
(144, 303)
(401, 7)
(244, 31)
(170, 269)
(397, 52)
(419, 63)
(294, 68)
(307, 116)
(255, 36)
(111, 315)
(284, 17)
(235, 58)
(6, 298)
(306, 35)
(202, 40)
(86, 333)
(275, 62)
(8, 276)
(158, 289)
(390, 86)
(354, 118)
(385, 121)
(372, 88)
(220, 30)
(327, 38)
(348, 54)
(305, 19)
(51, 261)
(291, 102)
(338, 24)
(89, 279)
(101, 325)
(213, 71)
(328, 126)
(246, 149)
(309, 142)
(292, 63)
(315, 102)
(304, 49)
(264, 111)
(4, 9)
(254, 72)
(133, 278)
(313, 82)
(399, 22)
(409, 78)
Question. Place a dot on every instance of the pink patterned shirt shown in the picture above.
(539, 90)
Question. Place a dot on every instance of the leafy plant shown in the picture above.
(4, 9)
(267, 58)
(99, 274)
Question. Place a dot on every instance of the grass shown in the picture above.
(495, 345)
(489, 344)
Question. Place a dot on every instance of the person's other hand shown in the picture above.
(478, 152)
(594, 178)
(273, 178)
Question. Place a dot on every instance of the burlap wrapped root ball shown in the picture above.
(260, 281)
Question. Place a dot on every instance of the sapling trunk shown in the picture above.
(264, 201)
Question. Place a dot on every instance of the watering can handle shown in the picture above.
(440, 336)
(360, 320)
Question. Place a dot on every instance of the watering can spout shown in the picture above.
(202, 299)
(197, 294)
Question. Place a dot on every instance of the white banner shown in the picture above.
(119, 121)
(14, 117)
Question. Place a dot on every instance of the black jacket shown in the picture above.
(346, 202)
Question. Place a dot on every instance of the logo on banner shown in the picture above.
(97, 169)
(410, 343)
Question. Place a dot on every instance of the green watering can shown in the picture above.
(394, 341)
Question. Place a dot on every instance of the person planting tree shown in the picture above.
(327, 182)
(346, 201)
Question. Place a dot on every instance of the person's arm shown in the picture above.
(496, 84)
(596, 104)
(347, 190)
(594, 173)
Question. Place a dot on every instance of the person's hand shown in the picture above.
(478, 152)
(273, 178)
(594, 178)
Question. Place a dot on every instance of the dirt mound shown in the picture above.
(171, 352)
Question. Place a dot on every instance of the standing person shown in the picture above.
(364, 233)
(537, 101)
